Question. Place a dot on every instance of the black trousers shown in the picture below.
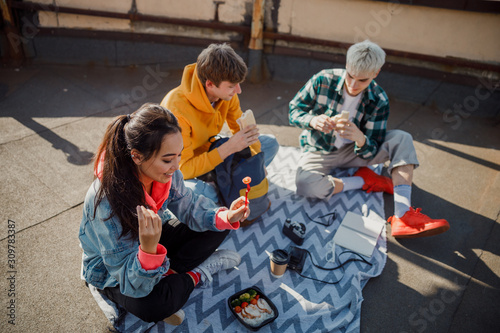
(186, 249)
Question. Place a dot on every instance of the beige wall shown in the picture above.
(422, 30)
(119, 6)
(194, 9)
(203, 10)
(72, 21)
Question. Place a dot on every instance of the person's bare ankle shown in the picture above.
(176, 319)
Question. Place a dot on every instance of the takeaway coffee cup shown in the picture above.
(279, 261)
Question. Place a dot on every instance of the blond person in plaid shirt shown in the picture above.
(359, 139)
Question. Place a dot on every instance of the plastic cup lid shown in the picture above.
(279, 257)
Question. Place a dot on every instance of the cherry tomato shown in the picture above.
(253, 301)
(244, 305)
(257, 297)
(237, 309)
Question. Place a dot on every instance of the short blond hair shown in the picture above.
(364, 58)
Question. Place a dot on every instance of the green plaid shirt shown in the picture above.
(322, 94)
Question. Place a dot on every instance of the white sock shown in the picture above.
(402, 199)
(352, 183)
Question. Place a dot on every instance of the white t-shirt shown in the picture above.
(350, 104)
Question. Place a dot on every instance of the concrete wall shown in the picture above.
(422, 30)
(232, 12)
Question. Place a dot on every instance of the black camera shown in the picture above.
(297, 258)
(295, 231)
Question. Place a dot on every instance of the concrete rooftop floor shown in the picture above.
(52, 117)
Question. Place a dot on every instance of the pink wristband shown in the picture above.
(152, 261)
(221, 221)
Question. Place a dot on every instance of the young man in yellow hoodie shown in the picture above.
(207, 98)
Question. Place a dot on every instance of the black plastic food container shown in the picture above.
(264, 297)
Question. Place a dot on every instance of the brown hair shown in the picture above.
(142, 130)
(219, 62)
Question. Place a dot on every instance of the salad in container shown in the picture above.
(252, 308)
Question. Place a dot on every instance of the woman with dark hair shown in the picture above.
(138, 208)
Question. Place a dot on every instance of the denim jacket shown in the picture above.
(110, 260)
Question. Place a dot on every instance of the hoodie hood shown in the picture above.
(194, 90)
(200, 121)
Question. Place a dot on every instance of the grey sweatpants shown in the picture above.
(313, 177)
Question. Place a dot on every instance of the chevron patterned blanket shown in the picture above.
(304, 305)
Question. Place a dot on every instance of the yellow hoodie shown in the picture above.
(199, 121)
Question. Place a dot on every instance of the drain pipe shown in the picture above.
(257, 69)
(14, 39)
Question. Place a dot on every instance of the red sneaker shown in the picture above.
(374, 182)
(415, 224)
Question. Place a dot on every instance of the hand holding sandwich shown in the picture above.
(248, 135)
(348, 130)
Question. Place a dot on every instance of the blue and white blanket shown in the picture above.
(304, 305)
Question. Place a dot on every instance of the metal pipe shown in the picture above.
(257, 26)
(448, 61)
(256, 68)
(245, 30)
(13, 37)
(30, 6)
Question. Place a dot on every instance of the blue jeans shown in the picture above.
(268, 145)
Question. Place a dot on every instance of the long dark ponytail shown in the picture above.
(142, 130)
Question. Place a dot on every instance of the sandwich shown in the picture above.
(246, 119)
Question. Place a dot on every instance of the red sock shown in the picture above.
(196, 277)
